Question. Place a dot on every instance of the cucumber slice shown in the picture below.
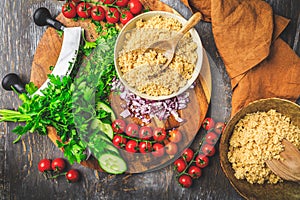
(103, 106)
(112, 164)
(105, 128)
(112, 148)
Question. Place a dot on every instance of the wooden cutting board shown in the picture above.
(47, 53)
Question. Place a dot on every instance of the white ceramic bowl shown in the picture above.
(131, 25)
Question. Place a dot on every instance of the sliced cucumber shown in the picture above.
(105, 128)
(112, 163)
(103, 106)
(112, 148)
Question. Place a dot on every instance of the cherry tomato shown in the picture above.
(208, 149)
(119, 141)
(171, 148)
(44, 165)
(132, 146)
(175, 136)
(145, 132)
(108, 1)
(185, 181)
(179, 165)
(159, 134)
(135, 6)
(112, 15)
(118, 125)
(72, 175)
(98, 13)
(208, 123)
(58, 164)
(219, 127)
(68, 10)
(158, 150)
(132, 130)
(188, 154)
(122, 3)
(194, 172)
(202, 160)
(145, 147)
(211, 138)
(83, 10)
(126, 16)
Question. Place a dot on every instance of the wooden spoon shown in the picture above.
(168, 46)
(289, 168)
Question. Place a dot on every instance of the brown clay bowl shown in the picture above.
(284, 190)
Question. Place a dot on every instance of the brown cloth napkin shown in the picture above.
(260, 64)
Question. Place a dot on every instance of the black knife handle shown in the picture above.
(42, 17)
(11, 81)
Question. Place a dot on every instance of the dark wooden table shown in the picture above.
(19, 177)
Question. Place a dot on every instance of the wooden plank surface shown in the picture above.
(19, 177)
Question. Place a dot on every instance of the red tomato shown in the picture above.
(208, 149)
(208, 123)
(83, 10)
(175, 136)
(72, 175)
(159, 134)
(119, 141)
(158, 150)
(132, 146)
(201, 161)
(171, 148)
(211, 138)
(145, 132)
(58, 164)
(185, 181)
(98, 13)
(194, 172)
(179, 165)
(44, 165)
(118, 125)
(108, 1)
(68, 10)
(135, 6)
(112, 15)
(132, 130)
(219, 127)
(126, 16)
(145, 147)
(188, 154)
(122, 3)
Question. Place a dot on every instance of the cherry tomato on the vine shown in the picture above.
(83, 10)
(119, 125)
(208, 149)
(44, 165)
(202, 160)
(208, 123)
(119, 141)
(132, 146)
(145, 147)
(219, 127)
(72, 175)
(194, 172)
(171, 148)
(159, 134)
(135, 6)
(69, 10)
(108, 1)
(180, 165)
(175, 136)
(132, 130)
(145, 132)
(185, 181)
(126, 16)
(122, 3)
(211, 138)
(188, 154)
(112, 15)
(58, 164)
(98, 13)
(158, 150)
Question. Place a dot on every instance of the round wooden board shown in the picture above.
(47, 54)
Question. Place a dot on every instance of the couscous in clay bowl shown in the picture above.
(282, 190)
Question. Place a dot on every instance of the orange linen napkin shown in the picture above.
(260, 64)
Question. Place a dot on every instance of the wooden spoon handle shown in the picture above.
(191, 23)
